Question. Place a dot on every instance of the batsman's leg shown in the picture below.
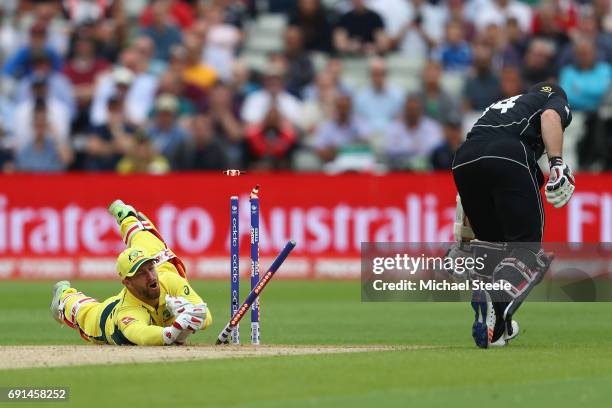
(521, 270)
(490, 328)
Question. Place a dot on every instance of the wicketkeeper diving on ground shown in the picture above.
(157, 306)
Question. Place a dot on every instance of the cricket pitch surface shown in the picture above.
(13, 357)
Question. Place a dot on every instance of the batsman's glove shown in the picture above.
(560, 185)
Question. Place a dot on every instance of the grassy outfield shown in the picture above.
(562, 358)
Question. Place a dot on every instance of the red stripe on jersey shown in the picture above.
(129, 232)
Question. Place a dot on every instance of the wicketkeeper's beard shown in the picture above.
(152, 291)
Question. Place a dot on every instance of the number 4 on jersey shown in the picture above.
(504, 105)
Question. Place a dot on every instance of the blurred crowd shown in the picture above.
(153, 86)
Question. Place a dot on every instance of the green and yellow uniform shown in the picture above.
(124, 319)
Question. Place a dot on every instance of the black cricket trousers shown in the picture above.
(499, 180)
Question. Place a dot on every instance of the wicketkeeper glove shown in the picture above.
(560, 185)
(176, 304)
(179, 305)
(183, 323)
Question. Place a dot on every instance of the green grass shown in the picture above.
(562, 358)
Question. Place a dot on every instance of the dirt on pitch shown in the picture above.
(13, 357)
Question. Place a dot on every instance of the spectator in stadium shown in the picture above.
(180, 12)
(271, 142)
(343, 130)
(117, 83)
(57, 85)
(6, 153)
(7, 112)
(455, 53)
(132, 77)
(257, 105)
(457, 14)
(482, 84)
(107, 143)
(414, 27)
(9, 34)
(589, 30)
(605, 121)
(334, 68)
(235, 12)
(47, 151)
(550, 24)
(178, 60)
(442, 156)
(511, 82)
(162, 30)
(175, 69)
(143, 158)
(83, 70)
(602, 9)
(171, 83)
(555, 16)
(312, 19)
(110, 37)
(205, 152)
(167, 136)
(222, 41)
(602, 38)
(437, 103)
(223, 115)
(360, 31)
(379, 102)
(243, 84)
(22, 62)
(299, 68)
(517, 40)
(410, 140)
(538, 65)
(145, 48)
(83, 11)
(197, 72)
(58, 115)
(49, 14)
(320, 107)
(498, 11)
(502, 51)
(200, 27)
(586, 82)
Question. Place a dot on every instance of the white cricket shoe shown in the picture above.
(506, 337)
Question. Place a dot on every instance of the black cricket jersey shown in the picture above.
(518, 117)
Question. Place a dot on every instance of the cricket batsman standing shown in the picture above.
(499, 181)
(157, 306)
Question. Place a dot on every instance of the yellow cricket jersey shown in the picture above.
(126, 320)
